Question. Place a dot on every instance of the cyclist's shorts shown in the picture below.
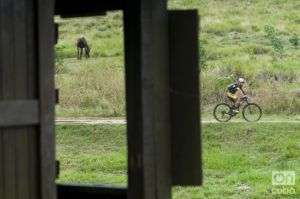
(232, 96)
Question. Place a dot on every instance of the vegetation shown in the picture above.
(238, 159)
(294, 40)
(254, 39)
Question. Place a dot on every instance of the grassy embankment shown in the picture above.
(253, 39)
(238, 159)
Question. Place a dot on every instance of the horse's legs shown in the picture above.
(80, 53)
(87, 52)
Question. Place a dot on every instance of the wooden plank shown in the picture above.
(132, 34)
(20, 60)
(8, 85)
(45, 23)
(147, 96)
(79, 8)
(1, 164)
(185, 100)
(19, 113)
(71, 191)
(32, 73)
(18, 178)
(2, 190)
(9, 159)
(33, 149)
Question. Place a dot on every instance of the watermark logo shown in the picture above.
(283, 178)
(284, 182)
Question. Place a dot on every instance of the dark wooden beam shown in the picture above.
(66, 191)
(80, 8)
(46, 93)
(185, 98)
(147, 99)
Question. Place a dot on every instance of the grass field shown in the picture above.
(256, 39)
(238, 158)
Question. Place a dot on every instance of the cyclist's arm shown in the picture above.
(243, 91)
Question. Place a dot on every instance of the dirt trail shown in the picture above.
(90, 121)
(122, 121)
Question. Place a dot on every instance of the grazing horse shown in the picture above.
(82, 45)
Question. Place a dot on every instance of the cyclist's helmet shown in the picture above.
(241, 80)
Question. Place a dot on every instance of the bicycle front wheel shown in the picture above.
(252, 112)
(222, 112)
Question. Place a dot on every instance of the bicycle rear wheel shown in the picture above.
(252, 112)
(222, 112)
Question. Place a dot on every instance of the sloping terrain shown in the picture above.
(256, 39)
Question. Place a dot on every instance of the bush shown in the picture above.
(294, 41)
(273, 37)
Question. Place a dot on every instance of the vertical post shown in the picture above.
(147, 95)
(45, 24)
(185, 100)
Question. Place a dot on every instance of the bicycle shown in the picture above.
(251, 112)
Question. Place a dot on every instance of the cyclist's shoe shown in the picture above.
(235, 111)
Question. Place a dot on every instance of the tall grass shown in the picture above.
(234, 42)
(91, 88)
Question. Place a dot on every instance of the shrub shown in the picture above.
(273, 37)
(294, 40)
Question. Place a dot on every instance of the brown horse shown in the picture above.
(82, 45)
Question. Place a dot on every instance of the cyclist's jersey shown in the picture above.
(232, 88)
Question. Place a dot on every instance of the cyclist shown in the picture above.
(236, 93)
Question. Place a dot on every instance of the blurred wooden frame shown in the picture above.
(81, 8)
(162, 92)
(161, 98)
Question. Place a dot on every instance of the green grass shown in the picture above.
(233, 41)
(92, 154)
(238, 158)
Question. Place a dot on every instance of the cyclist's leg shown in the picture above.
(239, 97)
(232, 97)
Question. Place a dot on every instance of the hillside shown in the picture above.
(256, 39)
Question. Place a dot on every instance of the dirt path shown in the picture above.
(122, 121)
(90, 121)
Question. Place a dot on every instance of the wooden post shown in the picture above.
(26, 100)
(147, 95)
(46, 42)
(185, 100)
